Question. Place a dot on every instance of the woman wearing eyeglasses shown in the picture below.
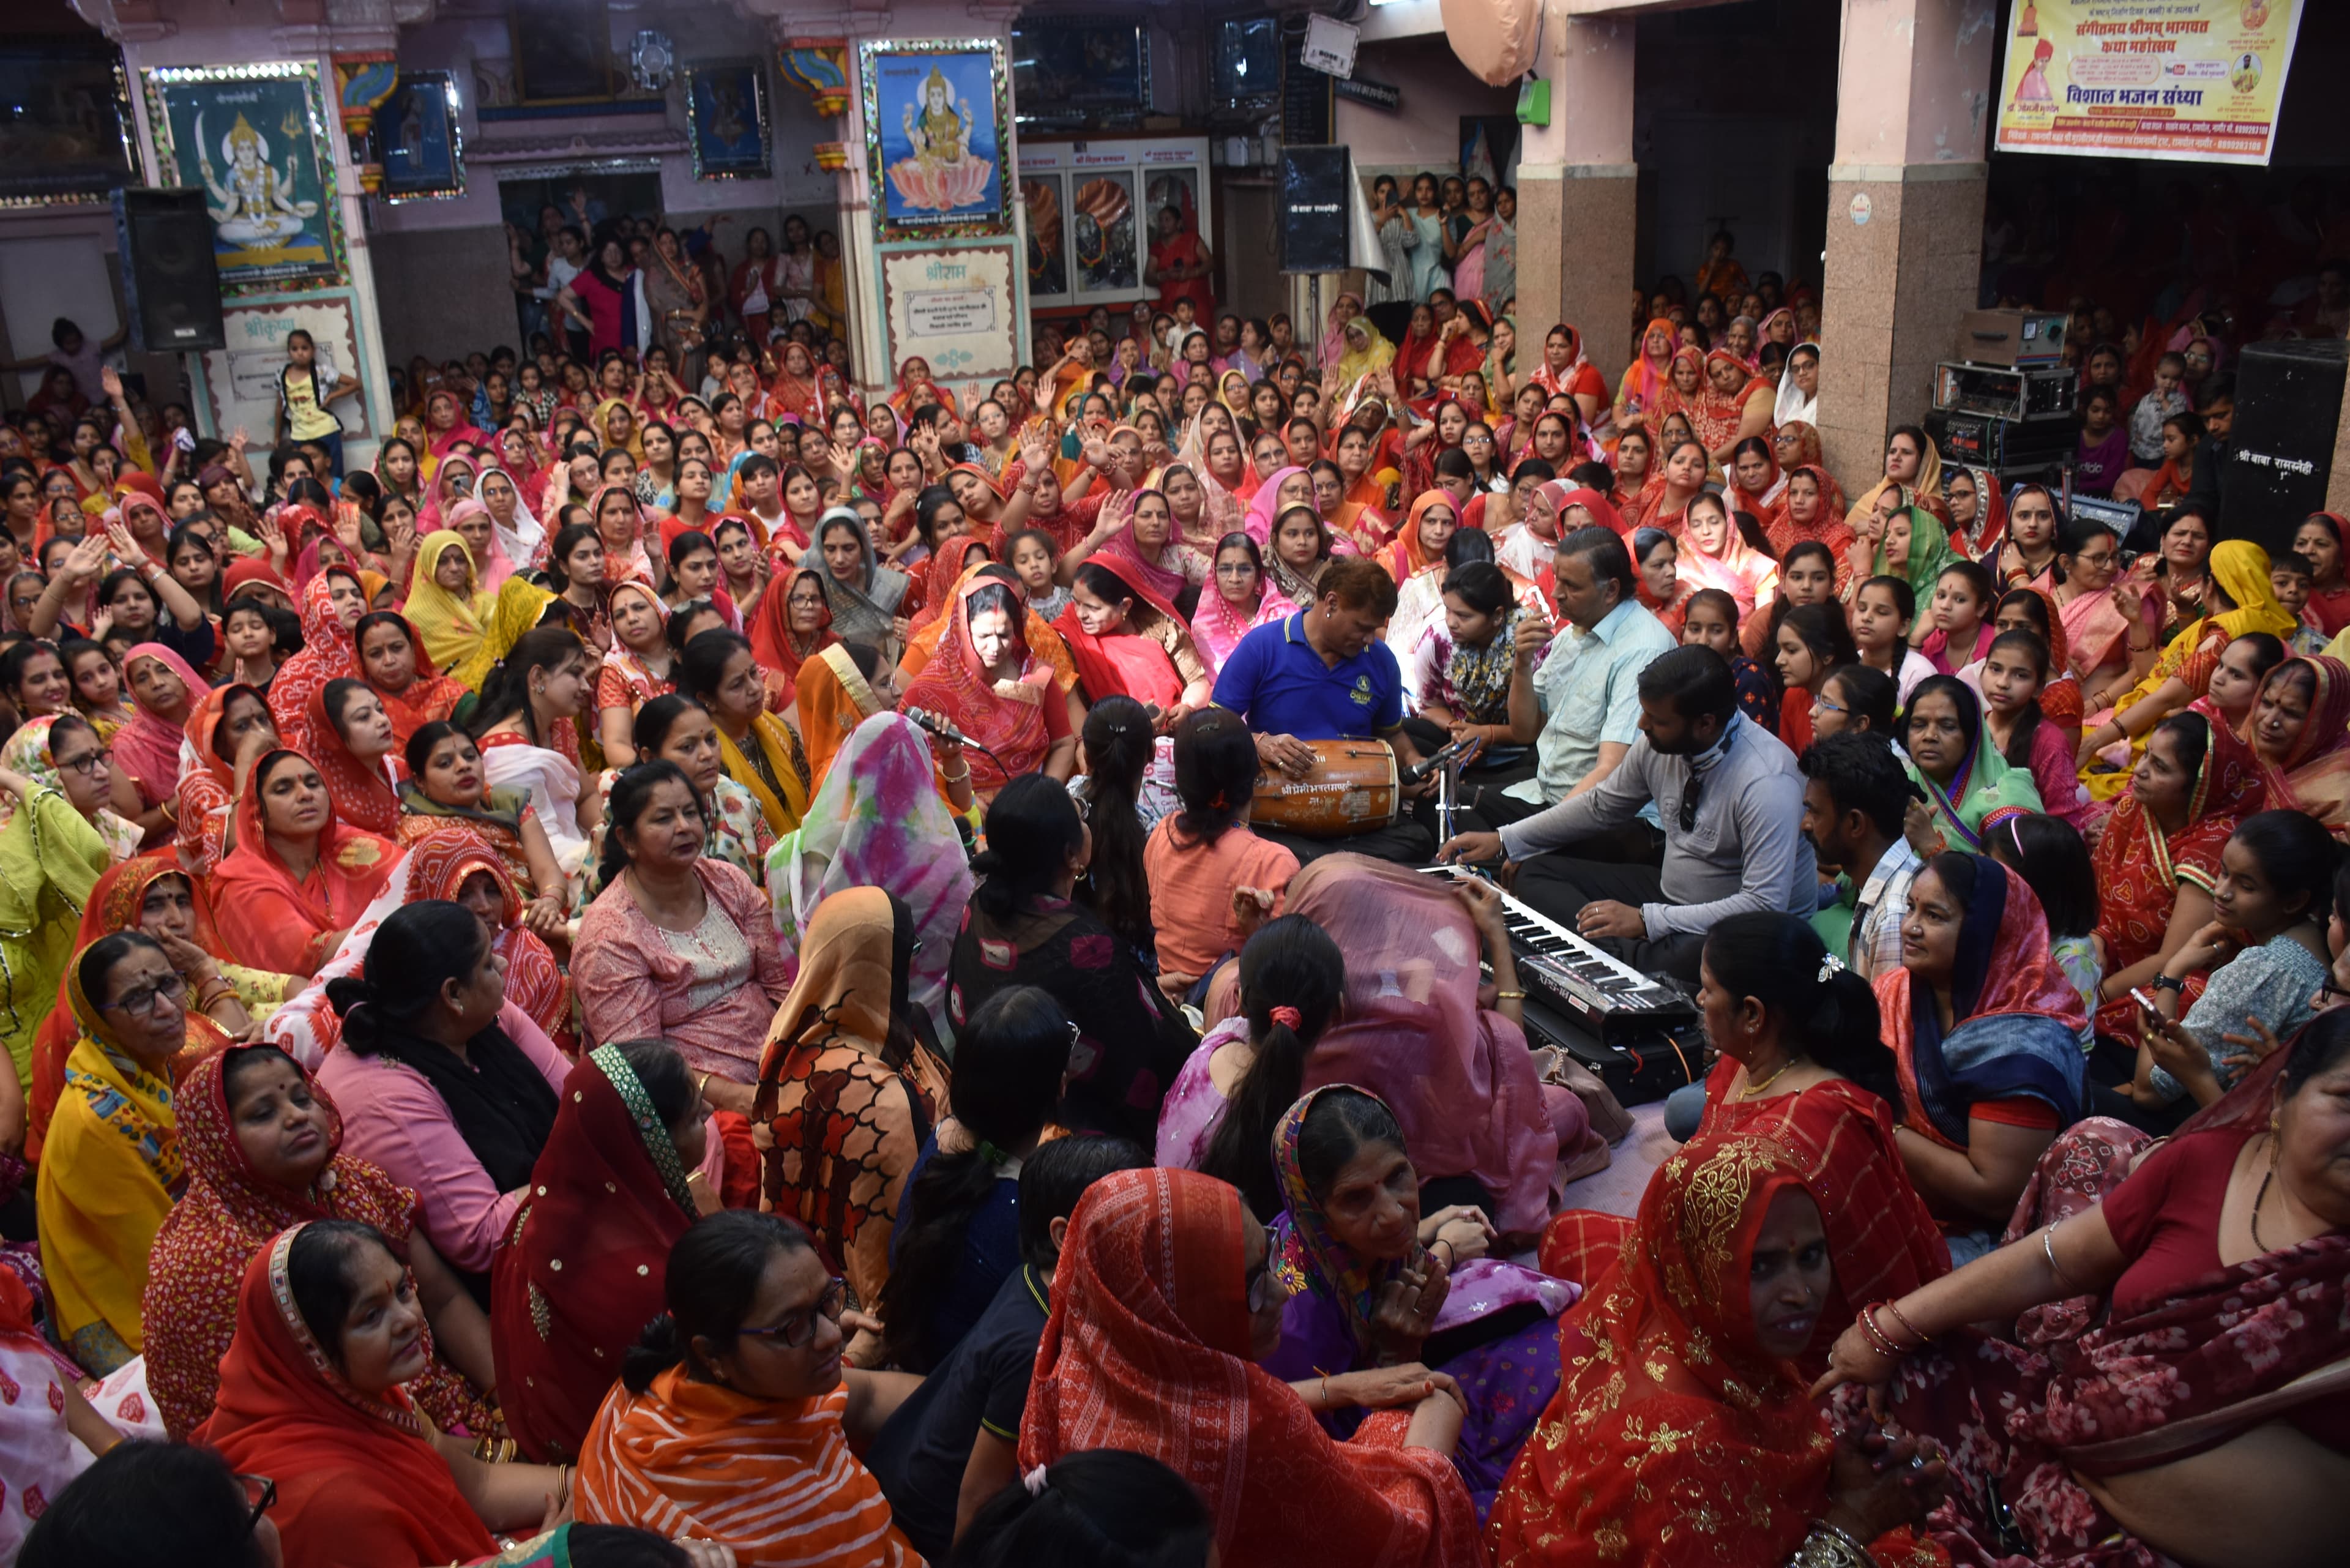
(112, 1158)
(328, 1327)
(58, 836)
(735, 1415)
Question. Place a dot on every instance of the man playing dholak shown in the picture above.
(1324, 675)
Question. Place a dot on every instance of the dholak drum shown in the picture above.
(1352, 789)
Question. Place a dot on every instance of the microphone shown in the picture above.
(1461, 748)
(936, 725)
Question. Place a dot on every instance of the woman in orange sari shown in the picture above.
(835, 691)
(1796, 444)
(1683, 1434)
(988, 680)
(1162, 1302)
(289, 891)
(1735, 403)
(1641, 394)
(230, 722)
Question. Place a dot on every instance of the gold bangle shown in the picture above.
(702, 1086)
(1509, 996)
(958, 778)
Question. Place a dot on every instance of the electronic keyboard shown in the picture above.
(1626, 1025)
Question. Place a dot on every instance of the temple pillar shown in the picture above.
(1578, 192)
(1905, 215)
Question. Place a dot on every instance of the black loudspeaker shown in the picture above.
(1314, 209)
(2288, 406)
(170, 282)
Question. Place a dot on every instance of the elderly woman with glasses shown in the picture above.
(735, 1417)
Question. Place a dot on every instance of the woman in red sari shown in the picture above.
(2300, 729)
(319, 1407)
(225, 721)
(1128, 642)
(350, 736)
(791, 625)
(1162, 1303)
(1663, 503)
(1802, 1065)
(1682, 1435)
(251, 1174)
(332, 603)
(298, 876)
(987, 683)
(610, 1195)
(915, 390)
(1796, 444)
(1735, 404)
(1806, 510)
(2159, 859)
(2200, 1418)
(404, 677)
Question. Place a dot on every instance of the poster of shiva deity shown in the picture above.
(253, 139)
(934, 121)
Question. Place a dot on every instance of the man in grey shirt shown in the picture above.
(1732, 801)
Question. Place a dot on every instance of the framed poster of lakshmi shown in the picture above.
(253, 139)
(936, 111)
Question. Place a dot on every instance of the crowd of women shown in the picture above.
(527, 1050)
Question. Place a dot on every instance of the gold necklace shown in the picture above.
(1756, 1086)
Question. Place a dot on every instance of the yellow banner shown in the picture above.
(2192, 80)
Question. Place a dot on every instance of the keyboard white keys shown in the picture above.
(1605, 994)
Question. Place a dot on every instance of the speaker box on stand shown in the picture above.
(1314, 199)
(2281, 450)
(170, 282)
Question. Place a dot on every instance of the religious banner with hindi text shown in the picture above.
(2194, 80)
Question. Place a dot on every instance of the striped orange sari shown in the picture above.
(771, 1478)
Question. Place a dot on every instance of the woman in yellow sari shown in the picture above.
(623, 432)
(466, 630)
(110, 1169)
(2239, 599)
(1366, 350)
(718, 671)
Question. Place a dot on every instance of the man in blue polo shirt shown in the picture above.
(1323, 674)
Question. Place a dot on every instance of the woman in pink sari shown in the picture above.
(1267, 503)
(1458, 1075)
(148, 748)
(2110, 650)
(1715, 554)
(1238, 599)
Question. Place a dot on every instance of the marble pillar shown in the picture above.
(1579, 191)
(1905, 215)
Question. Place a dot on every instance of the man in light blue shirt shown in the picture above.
(1588, 682)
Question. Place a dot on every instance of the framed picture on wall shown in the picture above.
(417, 140)
(934, 133)
(66, 135)
(562, 50)
(726, 106)
(253, 137)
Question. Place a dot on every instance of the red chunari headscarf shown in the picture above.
(271, 921)
(609, 1201)
(1148, 1350)
(358, 1481)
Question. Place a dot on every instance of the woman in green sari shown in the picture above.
(1897, 538)
(1970, 787)
(58, 836)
